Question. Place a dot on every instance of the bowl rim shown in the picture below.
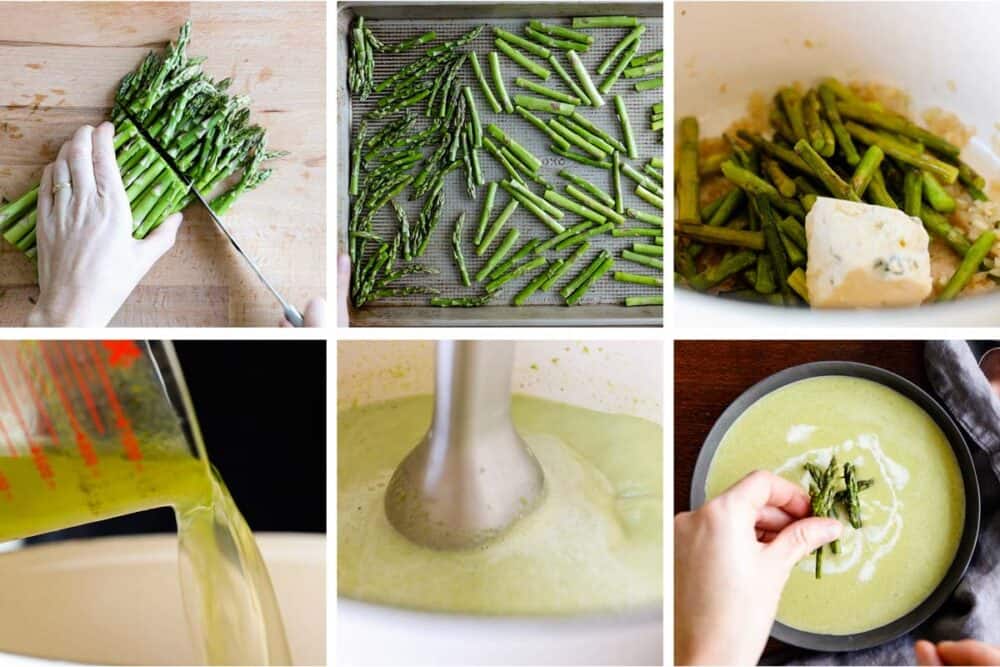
(646, 613)
(689, 302)
(970, 530)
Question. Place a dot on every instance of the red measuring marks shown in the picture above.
(37, 453)
(95, 416)
(129, 441)
(5, 487)
(83, 442)
(121, 353)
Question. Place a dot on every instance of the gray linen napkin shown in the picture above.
(973, 611)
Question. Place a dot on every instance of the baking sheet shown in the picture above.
(603, 304)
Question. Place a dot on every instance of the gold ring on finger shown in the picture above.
(63, 185)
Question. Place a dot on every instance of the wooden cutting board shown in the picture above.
(59, 66)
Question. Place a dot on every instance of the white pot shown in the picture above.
(942, 54)
(117, 600)
(623, 377)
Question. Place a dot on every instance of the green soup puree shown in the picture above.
(912, 516)
(594, 543)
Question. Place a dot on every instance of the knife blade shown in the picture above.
(292, 314)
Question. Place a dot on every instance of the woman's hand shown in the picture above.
(965, 652)
(732, 558)
(88, 262)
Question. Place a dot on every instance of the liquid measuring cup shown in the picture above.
(95, 429)
(91, 430)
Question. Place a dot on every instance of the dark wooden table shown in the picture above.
(709, 375)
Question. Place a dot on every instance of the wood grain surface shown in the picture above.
(59, 66)
(709, 375)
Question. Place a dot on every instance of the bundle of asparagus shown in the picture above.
(205, 131)
(825, 498)
(387, 163)
(827, 141)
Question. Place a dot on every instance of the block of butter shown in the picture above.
(864, 256)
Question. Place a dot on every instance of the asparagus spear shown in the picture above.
(605, 22)
(729, 266)
(498, 81)
(533, 285)
(897, 124)
(584, 125)
(828, 99)
(592, 277)
(648, 84)
(589, 187)
(598, 138)
(486, 211)
(617, 183)
(866, 168)
(637, 279)
(561, 31)
(483, 84)
(498, 255)
(825, 173)
(653, 300)
(913, 188)
(585, 81)
(722, 235)
(461, 302)
(970, 264)
(936, 196)
(577, 239)
(545, 91)
(456, 245)
(687, 128)
(575, 139)
(651, 262)
(785, 184)
(557, 273)
(567, 79)
(581, 277)
(948, 172)
(538, 104)
(687, 179)
(520, 151)
(573, 207)
(812, 122)
(523, 60)
(853, 495)
(494, 230)
(526, 44)
(554, 43)
(791, 103)
(631, 38)
(520, 254)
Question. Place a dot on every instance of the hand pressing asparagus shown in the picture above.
(425, 121)
(827, 141)
(109, 188)
(204, 128)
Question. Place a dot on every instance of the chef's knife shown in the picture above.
(292, 314)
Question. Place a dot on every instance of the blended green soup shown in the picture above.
(913, 515)
(594, 543)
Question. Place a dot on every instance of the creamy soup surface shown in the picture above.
(913, 515)
(594, 543)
